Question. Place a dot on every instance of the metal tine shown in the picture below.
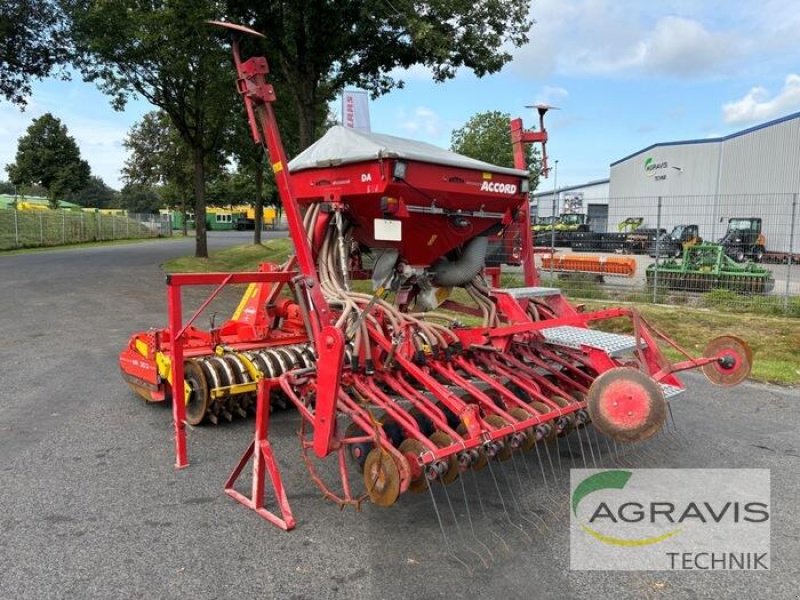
(503, 503)
(471, 524)
(583, 452)
(548, 491)
(521, 507)
(588, 443)
(441, 528)
(532, 479)
(486, 517)
(522, 491)
(597, 437)
(460, 532)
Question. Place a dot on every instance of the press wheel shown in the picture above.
(734, 360)
(626, 404)
(480, 464)
(530, 435)
(542, 409)
(381, 477)
(412, 449)
(498, 422)
(199, 398)
(442, 440)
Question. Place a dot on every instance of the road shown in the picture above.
(91, 507)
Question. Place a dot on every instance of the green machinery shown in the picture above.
(705, 267)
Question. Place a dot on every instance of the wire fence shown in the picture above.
(736, 252)
(37, 228)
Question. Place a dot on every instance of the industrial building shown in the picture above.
(589, 198)
(751, 173)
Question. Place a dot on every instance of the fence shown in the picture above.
(736, 252)
(30, 229)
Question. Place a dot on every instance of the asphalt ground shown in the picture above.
(91, 506)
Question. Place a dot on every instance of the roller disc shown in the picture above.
(358, 452)
(626, 404)
(442, 440)
(480, 464)
(381, 478)
(530, 434)
(199, 398)
(412, 449)
(542, 409)
(562, 402)
(497, 422)
(734, 360)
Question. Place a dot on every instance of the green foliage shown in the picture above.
(487, 137)
(95, 194)
(140, 198)
(48, 156)
(6, 187)
(317, 47)
(32, 44)
(166, 53)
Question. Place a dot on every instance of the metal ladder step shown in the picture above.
(670, 391)
(567, 336)
(528, 292)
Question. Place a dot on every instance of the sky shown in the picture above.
(624, 73)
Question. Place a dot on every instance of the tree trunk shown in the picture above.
(306, 124)
(259, 217)
(201, 243)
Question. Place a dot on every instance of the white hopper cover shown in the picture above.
(341, 145)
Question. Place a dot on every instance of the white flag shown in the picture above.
(355, 110)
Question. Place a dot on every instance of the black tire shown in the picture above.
(758, 254)
(678, 252)
(739, 255)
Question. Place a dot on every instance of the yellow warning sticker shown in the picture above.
(487, 175)
(277, 167)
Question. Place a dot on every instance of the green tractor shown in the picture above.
(705, 267)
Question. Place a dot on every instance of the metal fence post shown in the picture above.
(41, 230)
(63, 226)
(127, 226)
(16, 229)
(113, 227)
(791, 253)
(658, 252)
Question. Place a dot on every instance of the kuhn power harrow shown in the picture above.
(425, 373)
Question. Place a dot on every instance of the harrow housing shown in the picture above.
(406, 385)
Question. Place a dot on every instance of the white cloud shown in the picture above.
(757, 105)
(551, 94)
(423, 122)
(603, 37)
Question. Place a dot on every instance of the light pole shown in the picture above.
(553, 216)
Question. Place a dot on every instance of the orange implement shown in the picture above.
(617, 266)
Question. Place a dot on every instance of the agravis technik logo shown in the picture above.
(641, 519)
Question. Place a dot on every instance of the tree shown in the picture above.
(157, 156)
(95, 194)
(166, 53)
(487, 137)
(318, 47)
(48, 156)
(140, 198)
(32, 45)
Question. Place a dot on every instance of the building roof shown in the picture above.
(569, 188)
(712, 140)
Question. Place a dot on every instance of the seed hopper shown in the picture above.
(406, 367)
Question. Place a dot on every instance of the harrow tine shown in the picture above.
(522, 495)
(583, 452)
(588, 443)
(484, 513)
(532, 478)
(471, 524)
(503, 504)
(441, 528)
(458, 528)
